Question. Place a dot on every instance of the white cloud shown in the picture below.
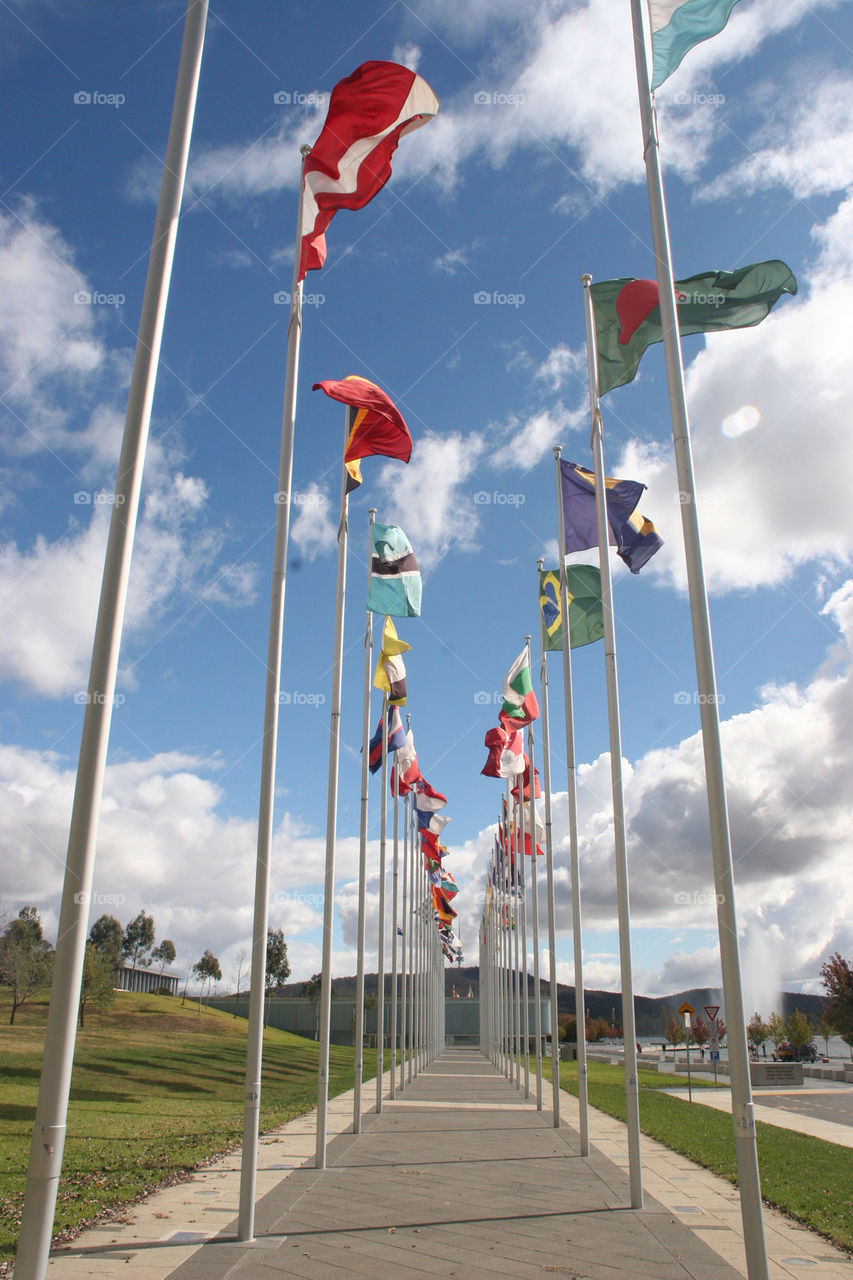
(314, 529)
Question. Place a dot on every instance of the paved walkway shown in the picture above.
(461, 1176)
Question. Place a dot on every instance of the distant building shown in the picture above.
(128, 978)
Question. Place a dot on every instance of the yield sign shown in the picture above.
(712, 1010)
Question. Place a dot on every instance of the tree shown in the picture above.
(776, 1030)
(138, 938)
(757, 1031)
(827, 1027)
(25, 958)
(98, 977)
(837, 976)
(106, 936)
(798, 1031)
(674, 1030)
(699, 1032)
(241, 960)
(207, 970)
(164, 954)
(312, 989)
(278, 967)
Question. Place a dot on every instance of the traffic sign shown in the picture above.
(711, 1010)
(685, 1008)
(714, 1055)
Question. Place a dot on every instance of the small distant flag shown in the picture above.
(519, 706)
(369, 111)
(525, 781)
(405, 770)
(677, 25)
(390, 674)
(396, 738)
(395, 582)
(377, 426)
(586, 621)
(399, 931)
(636, 541)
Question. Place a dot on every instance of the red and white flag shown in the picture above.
(369, 112)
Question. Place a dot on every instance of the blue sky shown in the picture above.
(531, 175)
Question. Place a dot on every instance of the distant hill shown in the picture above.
(652, 1012)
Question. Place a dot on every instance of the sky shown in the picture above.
(456, 290)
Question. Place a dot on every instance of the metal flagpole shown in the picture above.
(629, 1032)
(743, 1119)
(574, 852)
(394, 919)
(380, 981)
(522, 906)
(48, 1139)
(406, 925)
(549, 872)
(534, 911)
(516, 985)
(266, 802)
(331, 822)
(413, 919)
(358, 1030)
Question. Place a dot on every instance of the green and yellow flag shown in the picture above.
(586, 623)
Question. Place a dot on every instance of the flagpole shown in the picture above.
(266, 803)
(574, 850)
(513, 948)
(743, 1118)
(394, 919)
(48, 1138)
(380, 994)
(629, 1034)
(534, 909)
(331, 822)
(358, 1031)
(405, 927)
(549, 872)
(522, 904)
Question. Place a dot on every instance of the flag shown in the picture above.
(427, 799)
(443, 909)
(390, 674)
(405, 770)
(399, 931)
(679, 24)
(350, 162)
(540, 831)
(627, 314)
(396, 738)
(430, 847)
(636, 541)
(586, 622)
(376, 428)
(448, 885)
(525, 782)
(506, 753)
(520, 706)
(432, 822)
(395, 583)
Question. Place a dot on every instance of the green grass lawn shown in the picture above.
(807, 1178)
(157, 1088)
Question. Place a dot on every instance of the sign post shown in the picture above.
(686, 1010)
(714, 1042)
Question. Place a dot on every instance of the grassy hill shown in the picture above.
(157, 1088)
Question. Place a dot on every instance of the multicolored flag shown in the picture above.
(395, 582)
(520, 707)
(635, 541)
(525, 782)
(405, 771)
(586, 621)
(377, 426)
(443, 910)
(433, 822)
(427, 799)
(369, 111)
(390, 674)
(677, 25)
(448, 885)
(506, 753)
(628, 320)
(396, 738)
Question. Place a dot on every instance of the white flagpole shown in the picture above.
(629, 1031)
(380, 992)
(743, 1118)
(331, 824)
(266, 802)
(48, 1139)
(358, 1033)
(394, 919)
(412, 1066)
(574, 852)
(516, 985)
(534, 911)
(522, 905)
(406, 925)
(549, 872)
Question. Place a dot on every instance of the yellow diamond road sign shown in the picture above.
(686, 1008)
